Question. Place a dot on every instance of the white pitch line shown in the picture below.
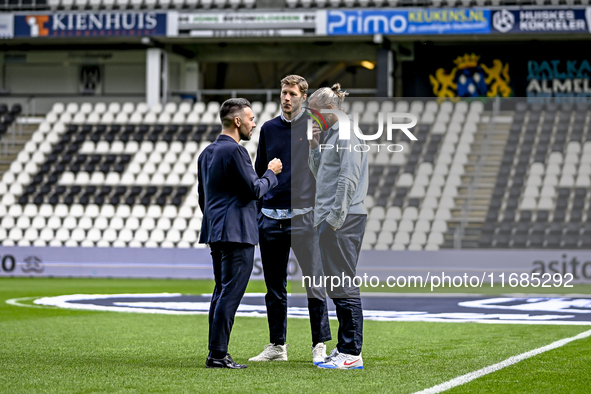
(495, 367)
(18, 302)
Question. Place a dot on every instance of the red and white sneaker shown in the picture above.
(343, 361)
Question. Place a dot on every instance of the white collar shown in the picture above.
(296, 118)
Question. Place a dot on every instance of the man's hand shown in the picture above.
(315, 141)
(275, 166)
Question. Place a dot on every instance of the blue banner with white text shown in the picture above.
(512, 21)
(90, 24)
(406, 22)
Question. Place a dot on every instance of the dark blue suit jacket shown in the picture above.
(228, 190)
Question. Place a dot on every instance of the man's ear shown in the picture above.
(304, 98)
(237, 121)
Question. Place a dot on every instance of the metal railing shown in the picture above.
(267, 93)
(199, 95)
(30, 106)
(10, 137)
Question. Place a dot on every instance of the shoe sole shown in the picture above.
(359, 367)
(272, 359)
(223, 367)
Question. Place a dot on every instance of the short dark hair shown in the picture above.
(230, 107)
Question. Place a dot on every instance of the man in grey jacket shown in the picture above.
(339, 214)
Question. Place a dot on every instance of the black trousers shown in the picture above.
(276, 237)
(340, 254)
(232, 266)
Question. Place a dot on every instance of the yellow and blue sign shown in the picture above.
(406, 22)
(472, 78)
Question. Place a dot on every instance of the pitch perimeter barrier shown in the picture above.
(492, 265)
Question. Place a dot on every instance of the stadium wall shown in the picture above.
(47, 76)
(179, 263)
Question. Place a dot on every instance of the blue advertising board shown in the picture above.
(90, 24)
(405, 22)
(516, 21)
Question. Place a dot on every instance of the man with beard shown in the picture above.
(228, 191)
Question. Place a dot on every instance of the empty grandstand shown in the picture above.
(120, 174)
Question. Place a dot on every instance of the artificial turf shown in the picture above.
(50, 350)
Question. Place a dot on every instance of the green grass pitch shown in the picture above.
(49, 350)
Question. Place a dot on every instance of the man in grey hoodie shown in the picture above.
(341, 175)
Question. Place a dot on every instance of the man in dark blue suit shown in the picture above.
(228, 190)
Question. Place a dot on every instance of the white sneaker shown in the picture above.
(272, 353)
(318, 353)
(343, 361)
(332, 355)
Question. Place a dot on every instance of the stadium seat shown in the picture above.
(415, 192)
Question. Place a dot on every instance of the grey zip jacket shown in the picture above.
(341, 177)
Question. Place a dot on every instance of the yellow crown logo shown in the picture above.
(467, 61)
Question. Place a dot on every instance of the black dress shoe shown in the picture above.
(225, 362)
